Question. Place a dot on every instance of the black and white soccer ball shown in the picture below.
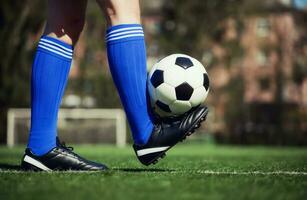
(176, 84)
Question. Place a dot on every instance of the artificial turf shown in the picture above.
(189, 171)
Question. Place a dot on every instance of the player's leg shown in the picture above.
(50, 70)
(127, 61)
(49, 76)
(65, 20)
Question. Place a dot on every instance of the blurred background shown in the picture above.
(255, 52)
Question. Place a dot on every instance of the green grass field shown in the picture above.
(189, 171)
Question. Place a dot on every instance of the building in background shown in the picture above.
(273, 73)
(255, 64)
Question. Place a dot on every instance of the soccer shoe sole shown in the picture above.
(31, 164)
(156, 157)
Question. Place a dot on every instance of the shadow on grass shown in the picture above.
(138, 170)
(4, 166)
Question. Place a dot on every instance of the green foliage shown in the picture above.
(20, 22)
(190, 26)
(235, 107)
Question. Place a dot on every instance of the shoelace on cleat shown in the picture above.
(63, 145)
(69, 149)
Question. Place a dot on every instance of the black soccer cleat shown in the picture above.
(167, 134)
(60, 158)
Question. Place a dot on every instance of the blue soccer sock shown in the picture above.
(49, 76)
(127, 60)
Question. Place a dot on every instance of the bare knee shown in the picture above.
(65, 19)
(120, 11)
(67, 30)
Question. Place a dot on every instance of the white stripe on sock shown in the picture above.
(124, 29)
(54, 43)
(125, 36)
(124, 33)
(36, 163)
(151, 150)
(56, 52)
(55, 48)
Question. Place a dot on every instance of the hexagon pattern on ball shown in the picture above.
(198, 95)
(193, 78)
(180, 107)
(166, 93)
(174, 75)
(184, 62)
(206, 81)
(176, 84)
(184, 91)
(163, 106)
(157, 78)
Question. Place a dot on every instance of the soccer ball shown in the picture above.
(176, 84)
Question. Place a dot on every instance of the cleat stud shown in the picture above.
(190, 133)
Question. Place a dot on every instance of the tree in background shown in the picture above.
(20, 23)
